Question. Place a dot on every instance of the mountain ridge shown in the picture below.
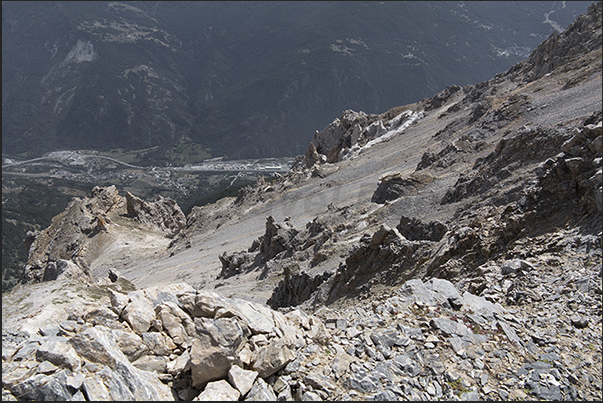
(172, 84)
(445, 249)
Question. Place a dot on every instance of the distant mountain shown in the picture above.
(241, 79)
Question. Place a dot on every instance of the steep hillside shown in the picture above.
(159, 84)
(447, 249)
(166, 84)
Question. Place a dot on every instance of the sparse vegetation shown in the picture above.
(457, 386)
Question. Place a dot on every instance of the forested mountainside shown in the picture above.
(240, 79)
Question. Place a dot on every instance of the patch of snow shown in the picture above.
(522, 52)
(357, 42)
(341, 48)
(408, 118)
(81, 52)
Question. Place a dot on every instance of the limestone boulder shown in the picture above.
(241, 379)
(117, 378)
(272, 357)
(201, 303)
(180, 364)
(173, 324)
(43, 387)
(97, 344)
(218, 391)
(130, 344)
(138, 312)
(152, 363)
(158, 343)
(214, 349)
(60, 353)
(261, 392)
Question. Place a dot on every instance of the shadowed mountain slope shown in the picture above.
(242, 79)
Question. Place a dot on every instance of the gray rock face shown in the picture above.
(559, 178)
(338, 134)
(162, 214)
(214, 349)
(176, 323)
(395, 185)
(561, 48)
(296, 287)
(415, 230)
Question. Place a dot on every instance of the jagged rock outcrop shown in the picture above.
(441, 98)
(282, 245)
(87, 225)
(414, 229)
(582, 36)
(279, 241)
(456, 151)
(296, 287)
(347, 135)
(560, 53)
(389, 256)
(68, 236)
(564, 169)
(385, 257)
(163, 214)
(342, 132)
(395, 185)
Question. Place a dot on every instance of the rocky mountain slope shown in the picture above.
(446, 249)
(158, 84)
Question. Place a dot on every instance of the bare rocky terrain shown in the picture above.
(448, 249)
